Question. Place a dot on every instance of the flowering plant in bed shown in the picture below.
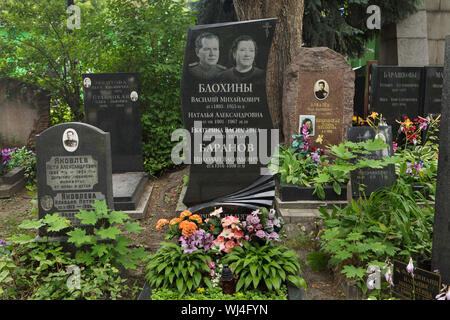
(203, 246)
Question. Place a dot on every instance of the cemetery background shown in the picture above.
(159, 196)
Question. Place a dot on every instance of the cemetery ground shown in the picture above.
(163, 202)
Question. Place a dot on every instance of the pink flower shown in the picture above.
(227, 221)
(216, 213)
(211, 264)
(230, 244)
(238, 234)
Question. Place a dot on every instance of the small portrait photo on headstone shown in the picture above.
(309, 121)
(70, 140)
(134, 96)
(87, 82)
(321, 89)
(207, 51)
(47, 202)
(385, 151)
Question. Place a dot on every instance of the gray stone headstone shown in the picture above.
(112, 104)
(441, 231)
(73, 170)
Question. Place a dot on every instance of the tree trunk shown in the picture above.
(287, 39)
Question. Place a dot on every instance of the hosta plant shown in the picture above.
(265, 266)
(169, 267)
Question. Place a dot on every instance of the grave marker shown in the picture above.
(373, 179)
(319, 85)
(73, 163)
(223, 89)
(434, 77)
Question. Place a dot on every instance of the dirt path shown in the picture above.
(163, 202)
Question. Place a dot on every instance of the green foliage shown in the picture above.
(324, 24)
(143, 36)
(169, 267)
(266, 265)
(389, 224)
(37, 269)
(215, 293)
(148, 37)
(26, 159)
(348, 156)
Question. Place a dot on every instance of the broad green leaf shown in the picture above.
(133, 227)
(101, 208)
(118, 217)
(108, 233)
(22, 239)
(79, 237)
(56, 222)
(87, 217)
(352, 271)
(31, 224)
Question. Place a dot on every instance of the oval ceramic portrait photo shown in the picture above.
(134, 96)
(87, 82)
(70, 140)
(321, 89)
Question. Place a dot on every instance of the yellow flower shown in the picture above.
(374, 115)
(408, 123)
(200, 290)
(239, 294)
(319, 139)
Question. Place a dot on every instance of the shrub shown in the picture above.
(266, 264)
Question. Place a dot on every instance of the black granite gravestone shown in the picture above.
(360, 88)
(441, 231)
(223, 89)
(73, 169)
(372, 179)
(434, 77)
(111, 103)
(396, 92)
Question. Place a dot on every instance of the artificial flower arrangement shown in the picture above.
(219, 233)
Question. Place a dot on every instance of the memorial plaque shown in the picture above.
(441, 230)
(73, 169)
(425, 285)
(223, 90)
(372, 179)
(112, 104)
(434, 77)
(318, 91)
(396, 92)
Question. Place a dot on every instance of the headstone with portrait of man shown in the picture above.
(318, 92)
(223, 89)
(74, 169)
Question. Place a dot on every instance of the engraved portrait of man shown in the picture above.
(207, 51)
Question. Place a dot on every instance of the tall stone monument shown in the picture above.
(112, 104)
(73, 163)
(319, 87)
(225, 111)
(441, 231)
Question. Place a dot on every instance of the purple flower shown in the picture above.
(250, 228)
(410, 267)
(269, 224)
(2, 242)
(273, 236)
(276, 223)
(258, 226)
(261, 234)
(252, 219)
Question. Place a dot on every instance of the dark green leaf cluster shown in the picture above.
(169, 267)
(264, 266)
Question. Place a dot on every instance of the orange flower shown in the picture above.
(408, 123)
(188, 228)
(373, 115)
(174, 220)
(161, 223)
(197, 218)
(185, 214)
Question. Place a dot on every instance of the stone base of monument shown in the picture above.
(131, 193)
(12, 182)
